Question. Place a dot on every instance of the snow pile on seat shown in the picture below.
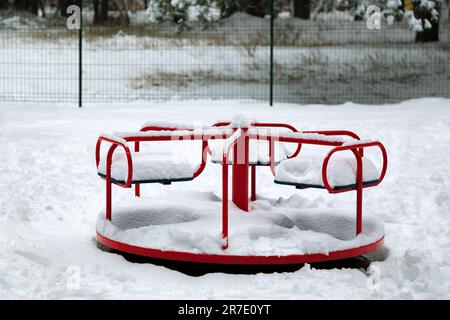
(191, 222)
(320, 137)
(258, 153)
(177, 134)
(307, 170)
(149, 167)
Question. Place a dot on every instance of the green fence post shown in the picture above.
(80, 58)
(271, 49)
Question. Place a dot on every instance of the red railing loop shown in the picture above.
(356, 149)
(280, 125)
(115, 144)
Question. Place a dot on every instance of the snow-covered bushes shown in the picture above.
(426, 12)
(422, 16)
(184, 11)
(418, 14)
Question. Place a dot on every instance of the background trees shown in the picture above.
(423, 16)
(31, 6)
(302, 9)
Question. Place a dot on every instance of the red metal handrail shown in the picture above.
(297, 140)
(268, 125)
(162, 128)
(355, 149)
(338, 133)
(138, 139)
(205, 146)
(335, 133)
(221, 124)
(225, 157)
(115, 144)
(165, 128)
(127, 184)
(280, 125)
(338, 144)
(202, 166)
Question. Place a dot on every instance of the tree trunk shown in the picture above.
(302, 9)
(430, 34)
(64, 4)
(27, 5)
(100, 11)
(124, 17)
(445, 10)
(257, 8)
(227, 8)
(96, 5)
(4, 4)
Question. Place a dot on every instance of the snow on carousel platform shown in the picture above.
(248, 230)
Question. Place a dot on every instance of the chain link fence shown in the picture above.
(328, 60)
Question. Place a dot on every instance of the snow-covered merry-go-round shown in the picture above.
(197, 227)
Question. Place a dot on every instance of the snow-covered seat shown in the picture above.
(149, 168)
(306, 172)
(258, 153)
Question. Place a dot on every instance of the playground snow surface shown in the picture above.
(50, 196)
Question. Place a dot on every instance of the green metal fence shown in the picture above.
(38, 64)
(322, 61)
(130, 64)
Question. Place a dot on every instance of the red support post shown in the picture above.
(108, 182)
(137, 190)
(272, 155)
(253, 192)
(137, 186)
(108, 197)
(359, 191)
(240, 171)
(224, 203)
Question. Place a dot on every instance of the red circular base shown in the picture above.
(234, 259)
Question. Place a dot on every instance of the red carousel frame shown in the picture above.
(240, 173)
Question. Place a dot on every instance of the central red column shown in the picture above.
(240, 171)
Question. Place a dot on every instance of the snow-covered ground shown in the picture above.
(50, 196)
